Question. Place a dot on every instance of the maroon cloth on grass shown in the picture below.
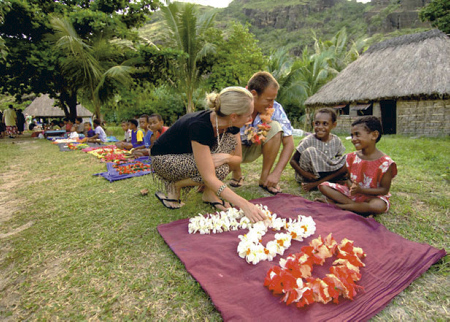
(236, 288)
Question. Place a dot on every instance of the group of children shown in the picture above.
(140, 139)
(359, 181)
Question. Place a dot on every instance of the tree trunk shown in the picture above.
(69, 104)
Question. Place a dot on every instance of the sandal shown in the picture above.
(164, 199)
(214, 204)
(236, 183)
(268, 189)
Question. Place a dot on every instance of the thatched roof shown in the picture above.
(410, 66)
(43, 107)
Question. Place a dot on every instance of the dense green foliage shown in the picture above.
(438, 13)
(236, 58)
(33, 64)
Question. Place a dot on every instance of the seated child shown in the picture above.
(127, 134)
(143, 150)
(319, 156)
(79, 125)
(370, 170)
(156, 124)
(89, 132)
(73, 133)
(137, 137)
(54, 125)
(68, 124)
(99, 135)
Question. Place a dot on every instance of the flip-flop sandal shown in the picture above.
(214, 204)
(236, 183)
(165, 199)
(268, 190)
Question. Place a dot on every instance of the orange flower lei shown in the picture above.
(287, 279)
(258, 135)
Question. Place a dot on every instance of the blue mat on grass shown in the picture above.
(112, 174)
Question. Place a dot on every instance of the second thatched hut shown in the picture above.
(405, 81)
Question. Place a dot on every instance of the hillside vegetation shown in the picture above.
(291, 23)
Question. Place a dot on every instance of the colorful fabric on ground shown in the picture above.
(236, 288)
(108, 153)
(139, 167)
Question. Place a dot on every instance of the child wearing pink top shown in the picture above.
(370, 172)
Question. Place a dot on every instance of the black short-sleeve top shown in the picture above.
(190, 127)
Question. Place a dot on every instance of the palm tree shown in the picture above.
(186, 32)
(90, 66)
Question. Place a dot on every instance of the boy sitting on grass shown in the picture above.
(89, 132)
(143, 150)
(156, 124)
(137, 137)
(99, 135)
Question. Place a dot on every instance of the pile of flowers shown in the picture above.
(257, 135)
(293, 278)
(132, 168)
(250, 246)
(73, 146)
(110, 154)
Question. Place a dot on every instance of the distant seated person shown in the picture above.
(100, 135)
(53, 126)
(127, 133)
(143, 150)
(137, 137)
(156, 125)
(73, 133)
(68, 123)
(89, 132)
(79, 126)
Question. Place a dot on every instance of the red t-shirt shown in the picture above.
(164, 129)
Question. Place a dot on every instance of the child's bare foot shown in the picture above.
(308, 186)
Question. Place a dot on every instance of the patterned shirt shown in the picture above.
(329, 156)
(278, 115)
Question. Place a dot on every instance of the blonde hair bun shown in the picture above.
(231, 100)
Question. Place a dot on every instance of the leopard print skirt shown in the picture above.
(171, 168)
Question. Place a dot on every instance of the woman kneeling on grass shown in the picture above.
(201, 148)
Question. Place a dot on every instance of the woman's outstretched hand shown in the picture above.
(253, 213)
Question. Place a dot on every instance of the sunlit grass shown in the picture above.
(93, 251)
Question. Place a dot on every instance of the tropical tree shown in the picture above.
(90, 65)
(186, 32)
(237, 57)
(33, 66)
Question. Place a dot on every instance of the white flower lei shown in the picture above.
(250, 246)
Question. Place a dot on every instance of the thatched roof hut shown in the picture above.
(43, 107)
(408, 69)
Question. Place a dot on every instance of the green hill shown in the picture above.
(291, 23)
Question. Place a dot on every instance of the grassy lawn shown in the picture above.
(76, 247)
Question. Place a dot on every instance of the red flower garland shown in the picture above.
(132, 168)
(287, 279)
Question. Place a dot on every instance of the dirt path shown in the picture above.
(12, 178)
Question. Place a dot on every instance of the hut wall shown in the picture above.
(423, 117)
